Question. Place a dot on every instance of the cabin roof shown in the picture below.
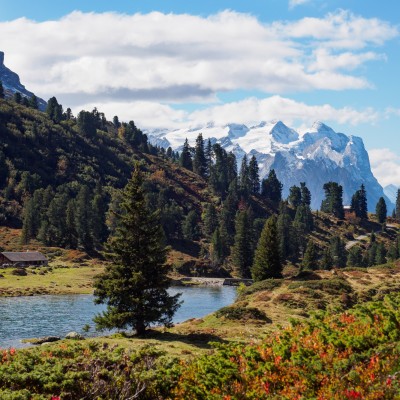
(24, 256)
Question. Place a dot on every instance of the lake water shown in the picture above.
(37, 316)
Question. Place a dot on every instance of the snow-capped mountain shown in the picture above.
(11, 83)
(317, 156)
(391, 192)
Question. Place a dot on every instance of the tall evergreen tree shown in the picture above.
(216, 248)
(54, 110)
(135, 286)
(310, 259)
(1, 90)
(18, 97)
(185, 159)
(190, 227)
(355, 258)
(71, 235)
(271, 189)
(305, 195)
(397, 207)
(98, 220)
(359, 203)
(210, 219)
(294, 198)
(28, 225)
(254, 176)
(83, 218)
(242, 251)
(199, 159)
(285, 233)
(267, 262)
(381, 210)
(244, 177)
(208, 155)
(338, 252)
(33, 102)
(333, 202)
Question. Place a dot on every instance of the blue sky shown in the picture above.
(237, 61)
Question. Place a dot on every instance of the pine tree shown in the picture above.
(185, 159)
(355, 258)
(338, 252)
(71, 235)
(28, 225)
(1, 90)
(359, 203)
(305, 195)
(310, 257)
(381, 210)
(267, 262)
(54, 110)
(199, 160)
(326, 260)
(208, 154)
(333, 202)
(294, 198)
(380, 254)
(397, 206)
(285, 233)
(271, 189)
(242, 254)
(216, 248)
(98, 220)
(83, 218)
(33, 102)
(210, 219)
(18, 97)
(244, 178)
(190, 228)
(254, 176)
(135, 286)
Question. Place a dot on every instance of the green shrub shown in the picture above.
(267, 284)
(239, 313)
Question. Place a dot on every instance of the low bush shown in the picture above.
(239, 313)
(268, 284)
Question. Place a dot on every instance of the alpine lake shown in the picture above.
(56, 315)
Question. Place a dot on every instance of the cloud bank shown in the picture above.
(185, 58)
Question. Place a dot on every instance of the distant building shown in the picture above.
(23, 258)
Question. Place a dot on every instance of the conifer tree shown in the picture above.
(1, 90)
(338, 252)
(199, 160)
(254, 176)
(244, 177)
(267, 262)
(190, 228)
(310, 259)
(242, 251)
(71, 235)
(285, 232)
(216, 248)
(397, 207)
(18, 97)
(359, 203)
(326, 260)
(185, 159)
(294, 198)
(355, 258)
(305, 195)
(98, 220)
(208, 154)
(380, 257)
(333, 202)
(210, 219)
(28, 225)
(381, 210)
(33, 102)
(135, 286)
(271, 189)
(54, 110)
(83, 218)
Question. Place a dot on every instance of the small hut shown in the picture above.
(22, 258)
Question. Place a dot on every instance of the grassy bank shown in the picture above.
(56, 279)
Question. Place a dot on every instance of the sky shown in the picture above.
(179, 63)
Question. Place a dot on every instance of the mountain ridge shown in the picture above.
(315, 156)
(12, 84)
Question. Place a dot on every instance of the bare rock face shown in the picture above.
(12, 83)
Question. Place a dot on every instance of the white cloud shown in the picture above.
(87, 57)
(295, 3)
(385, 166)
(248, 111)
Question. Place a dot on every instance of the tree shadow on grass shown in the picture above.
(198, 339)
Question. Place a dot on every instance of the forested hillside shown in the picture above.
(60, 177)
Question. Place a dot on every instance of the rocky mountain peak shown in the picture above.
(12, 83)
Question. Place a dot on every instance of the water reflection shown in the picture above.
(36, 316)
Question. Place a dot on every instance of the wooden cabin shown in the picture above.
(22, 258)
